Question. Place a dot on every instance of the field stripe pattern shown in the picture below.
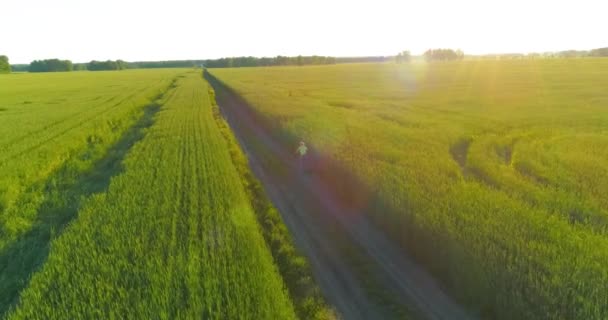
(174, 237)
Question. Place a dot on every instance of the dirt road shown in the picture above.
(329, 231)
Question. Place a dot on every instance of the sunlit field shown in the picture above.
(186, 246)
(124, 195)
(46, 118)
(494, 174)
(53, 129)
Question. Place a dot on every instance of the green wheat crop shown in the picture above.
(173, 237)
(493, 173)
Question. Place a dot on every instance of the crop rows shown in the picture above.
(55, 130)
(48, 119)
(173, 237)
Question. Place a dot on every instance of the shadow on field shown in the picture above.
(64, 192)
(330, 214)
(344, 274)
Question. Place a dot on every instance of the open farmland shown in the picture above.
(148, 212)
(186, 245)
(53, 129)
(47, 119)
(493, 174)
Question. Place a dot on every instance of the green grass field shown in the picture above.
(493, 173)
(60, 136)
(125, 196)
(185, 246)
(47, 119)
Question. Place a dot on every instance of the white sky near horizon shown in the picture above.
(83, 30)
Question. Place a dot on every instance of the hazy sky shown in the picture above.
(82, 30)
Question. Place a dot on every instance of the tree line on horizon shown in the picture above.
(107, 65)
(403, 56)
(443, 55)
(236, 62)
(52, 65)
(57, 65)
(594, 53)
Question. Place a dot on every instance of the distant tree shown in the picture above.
(443, 55)
(80, 66)
(121, 64)
(362, 59)
(600, 52)
(164, 64)
(19, 67)
(568, 54)
(459, 54)
(5, 67)
(50, 65)
(236, 62)
(107, 65)
(429, 55)
(508, 56)
(403, 56)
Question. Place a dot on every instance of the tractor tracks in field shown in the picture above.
(64, 192)
(330, 232)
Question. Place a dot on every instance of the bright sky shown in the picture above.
(82, 30)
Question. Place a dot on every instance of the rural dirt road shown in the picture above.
(328, 231)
